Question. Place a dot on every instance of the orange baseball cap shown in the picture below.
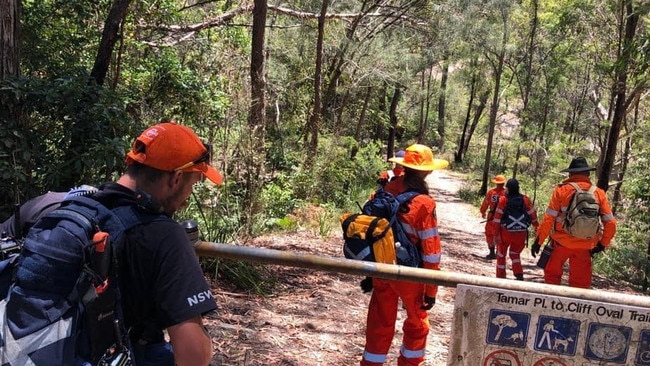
(171, 147)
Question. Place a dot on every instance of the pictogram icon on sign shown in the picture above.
(550, 361)
(606, 342)
(507, 328)
(557, 335)
(643, 351)
(502, 358)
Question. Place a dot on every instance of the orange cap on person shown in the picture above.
(169, 146)
(420, 157)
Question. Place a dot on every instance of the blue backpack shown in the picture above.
(386, 205)
(60, 296)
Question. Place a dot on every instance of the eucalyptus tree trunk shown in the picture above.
(256, 117)
(315, 118)
(10, 68)
(9, 38)
(441, 103)
(110, 35)
(625, 57)
(390, 145)
(494, 107)
(421, 125)
(526, 86)
(426, 105)
(361, 121)
(458, 156)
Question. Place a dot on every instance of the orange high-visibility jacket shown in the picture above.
(552, 223)
(491, 200)
(530, 209)
(421, 225)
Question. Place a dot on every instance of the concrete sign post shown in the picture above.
(496, 327)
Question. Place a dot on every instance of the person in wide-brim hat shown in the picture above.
(418, 214)
(499, 179)
(578, 165)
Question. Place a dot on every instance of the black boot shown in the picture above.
(492, 254)
(519, 277)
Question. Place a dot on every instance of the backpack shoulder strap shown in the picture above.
(406, 196)
(592, 189)
(576, 186)
(131, 216)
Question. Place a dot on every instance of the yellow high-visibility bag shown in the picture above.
(368, 238)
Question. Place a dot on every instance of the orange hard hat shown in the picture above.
(420, 157)
(499, 179)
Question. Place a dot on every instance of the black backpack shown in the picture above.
(383, 205)
(515, 216)
(60, 297)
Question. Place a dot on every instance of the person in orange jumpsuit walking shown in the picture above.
(578, 251)
(487, 209)
(513, 231)
(418, 218)
(388, 175)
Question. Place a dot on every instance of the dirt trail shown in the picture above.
(318, 318)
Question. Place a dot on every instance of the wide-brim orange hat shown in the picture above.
(171, 147)
(420, 157)
(499, 179)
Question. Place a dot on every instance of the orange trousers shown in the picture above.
(511, 243)
(491, 233)
(579, 266)
(382, 315)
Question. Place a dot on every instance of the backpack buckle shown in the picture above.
(102, 287)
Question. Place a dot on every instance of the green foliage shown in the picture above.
(326, 220)
(217, 213)
(69, 133)
(284, 224)
(277, 197)
(60, 37)
(336, 178)
(244, 276)
(628, 260)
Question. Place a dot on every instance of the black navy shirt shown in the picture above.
(160, 278)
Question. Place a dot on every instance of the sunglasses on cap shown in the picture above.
(205, 158)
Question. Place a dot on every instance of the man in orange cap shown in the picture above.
(419, 221)
(488, 207)
(162, 283)
(577, 250)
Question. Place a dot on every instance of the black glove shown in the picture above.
(597, 249)
(428, 303)
(366, 284)
(534, 250)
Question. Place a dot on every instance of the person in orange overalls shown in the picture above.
(418, 218)
(388, 175)
(512, 239)
(577, 251)
(487, 209)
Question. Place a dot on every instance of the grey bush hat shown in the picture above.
(578, 164)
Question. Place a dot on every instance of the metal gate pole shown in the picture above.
(403, 273)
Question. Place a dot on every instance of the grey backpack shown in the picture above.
(582, 218)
